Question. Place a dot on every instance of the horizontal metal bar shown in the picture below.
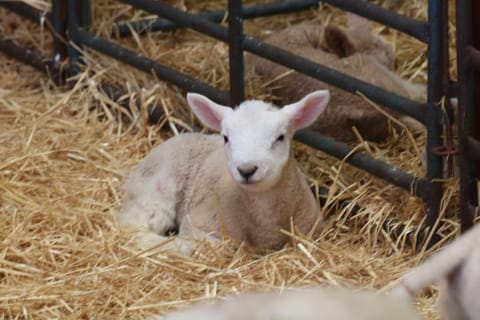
(415, 28)
(401, 104)
(353, 85)
(417, 186)
(147, 65)
(33, 59)
(183, 19)
(249, 12)
(24, 10)
(25, 55)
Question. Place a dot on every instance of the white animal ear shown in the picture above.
(208, 112)
(304, 112)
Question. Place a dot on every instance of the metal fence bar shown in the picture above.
(415, 28)
(437, 22)
(468, 61)
(132, 58)
(412, 108)
(55, 21)
(475, 46)
(466, 108)
(25, 55)
(414, 185)
(235, 50)
(390, 100)
(253, 11)
(24, 10)
(58, 19)
(73, 27)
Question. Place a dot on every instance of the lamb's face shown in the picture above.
(257, 135)
(257, 144)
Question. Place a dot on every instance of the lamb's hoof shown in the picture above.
(163, 224)
(172, 231)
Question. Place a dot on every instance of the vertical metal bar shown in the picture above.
(59, 22)
(465, 109)
(476, 77)
(436, 56)
(235, 46)
(79, 16)
(59, 34)
(73, 25)
(85, 14)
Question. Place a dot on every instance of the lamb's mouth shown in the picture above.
(250, 182)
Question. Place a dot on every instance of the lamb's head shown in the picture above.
(258, 135)
(357, 38)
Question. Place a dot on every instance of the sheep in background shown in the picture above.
(457, 267)
(354, 51)
(243, 184)
(301, 304)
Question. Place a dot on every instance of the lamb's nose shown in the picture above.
(247, 171)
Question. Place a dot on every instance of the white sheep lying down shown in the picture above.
(457, 268)
(243, 183)
(302, 304)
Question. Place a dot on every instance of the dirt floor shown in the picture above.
(64, 154)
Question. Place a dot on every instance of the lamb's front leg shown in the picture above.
(184, 243)
(193, 231)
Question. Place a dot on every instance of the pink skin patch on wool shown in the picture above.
(158, 186)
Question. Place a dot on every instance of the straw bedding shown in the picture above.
(64, 154)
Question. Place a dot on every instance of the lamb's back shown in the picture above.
(178, 158)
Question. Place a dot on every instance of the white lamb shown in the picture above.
(457, 267)
(243, 184)
(302, 304)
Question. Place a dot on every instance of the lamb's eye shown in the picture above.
(225, 138)
(281, 137)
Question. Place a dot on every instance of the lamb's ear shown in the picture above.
(304, 112)
(357, 23)
(337, 41)
(208, 112)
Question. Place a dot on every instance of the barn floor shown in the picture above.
(64, 154)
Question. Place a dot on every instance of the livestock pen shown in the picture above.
(65, 151)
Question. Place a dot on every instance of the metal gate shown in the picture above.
(433, 32)
(468, 90)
